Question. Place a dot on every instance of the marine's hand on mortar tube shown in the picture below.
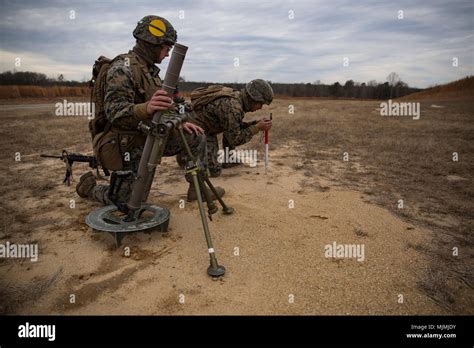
(264, 124)
(191, 127)
(158, 102)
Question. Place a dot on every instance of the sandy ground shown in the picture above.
(273, 247)
(280, 268)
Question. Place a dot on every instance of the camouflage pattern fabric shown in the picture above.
(224, 115)
(173, 146)
(212, 146)
(123, 91)
(156, 31)
(259, 91)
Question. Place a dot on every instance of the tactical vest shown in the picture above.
(110, 142)
(204, 95)
(145, 85)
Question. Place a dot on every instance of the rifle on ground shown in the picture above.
(69, 160)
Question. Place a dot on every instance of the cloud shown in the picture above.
(267, 41)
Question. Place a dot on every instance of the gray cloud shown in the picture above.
(268, 44)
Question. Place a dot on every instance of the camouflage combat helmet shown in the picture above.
(260, 91)
(156, 31)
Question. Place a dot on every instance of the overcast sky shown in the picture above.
(280, 41)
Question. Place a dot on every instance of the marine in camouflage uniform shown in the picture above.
(225, 115)
(126, 100)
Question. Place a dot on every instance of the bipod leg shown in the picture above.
(226, 209)
(204, 178)
(214, 269)
(211, 207)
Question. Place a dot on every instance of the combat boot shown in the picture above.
(192, 194)
(86, 183)
(214, 172)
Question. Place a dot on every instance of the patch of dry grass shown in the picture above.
(397, 158)
(14, 91)
(389, 159)
(460, 89)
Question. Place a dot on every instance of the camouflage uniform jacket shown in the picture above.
(226, 114)
(126, 94)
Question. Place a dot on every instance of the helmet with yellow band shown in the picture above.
(156, 31)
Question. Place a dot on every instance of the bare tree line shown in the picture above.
(35, 79)
(392, 88)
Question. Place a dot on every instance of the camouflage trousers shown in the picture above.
(100, 193)
(215, 167)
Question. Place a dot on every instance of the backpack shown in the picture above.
(204, 95)
(97, 85)
(100, 124)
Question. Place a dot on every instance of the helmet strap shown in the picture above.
(246, 100)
